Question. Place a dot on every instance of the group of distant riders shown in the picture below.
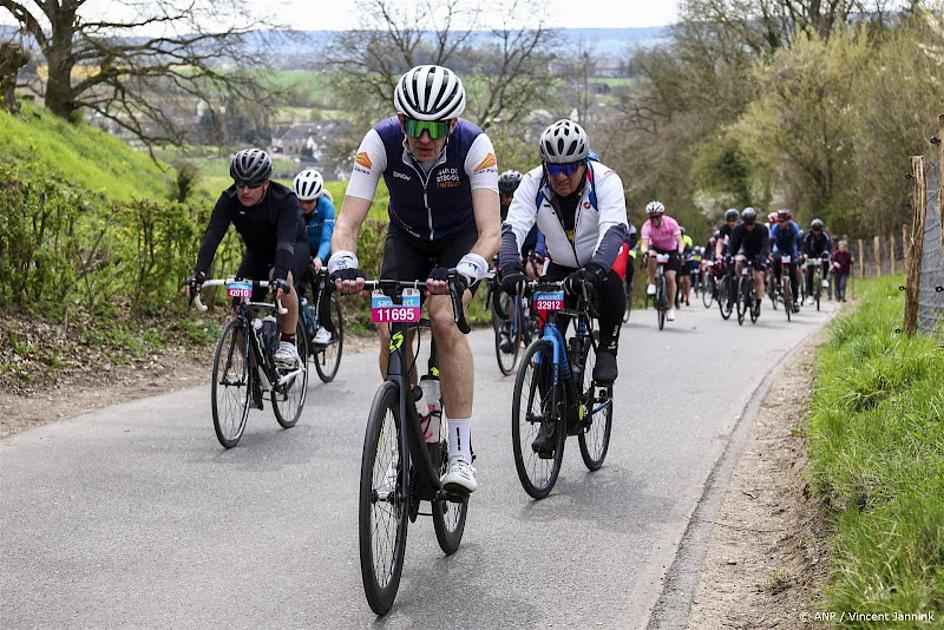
(451, 211)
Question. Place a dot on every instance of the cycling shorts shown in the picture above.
(406, 257)
(759, 261)
(675, 261)
(256, 267)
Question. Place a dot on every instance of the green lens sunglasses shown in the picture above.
(437, 128)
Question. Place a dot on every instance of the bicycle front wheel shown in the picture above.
(231, 384)
(595, 415)
(743, 297)
(507, 332)
(383, 501)
(448, 516)
(289, 394)
(327, 358)
(535, 414)
(787, 297)
(708, 292)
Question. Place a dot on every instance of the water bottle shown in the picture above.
(432, 411)
(308, 317)
(270, 334)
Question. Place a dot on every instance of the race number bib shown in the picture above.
(384, 311)
(239, 289)
(549, 300)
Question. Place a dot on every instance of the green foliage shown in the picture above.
(86, 158)
(877, 458)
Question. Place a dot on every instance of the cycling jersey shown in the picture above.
(588, 226)
(785, 240)
(273, 230)
(752, 243)
(430, 201)
(665, 237)
(817, 244)
(320, 227)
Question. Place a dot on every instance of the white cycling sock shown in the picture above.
(459, 445)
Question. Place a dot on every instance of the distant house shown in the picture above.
(310, 138)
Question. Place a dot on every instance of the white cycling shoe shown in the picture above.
(460, 477)
(287, 355)
(670, 315)
(322, 337)
(650, 289)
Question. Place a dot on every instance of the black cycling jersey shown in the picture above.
(816, 245)
(752, 243)
(271, 230)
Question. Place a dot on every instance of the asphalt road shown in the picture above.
(135, 516)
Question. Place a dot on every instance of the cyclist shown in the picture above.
(817, 244)
(722, 239)
(442, 176)
(578, 204)
(533, 251)
(685, 267)
(265, 213)
(661, 235)
(750, 241)
(785, 241)
(318, 212)
(632, 240)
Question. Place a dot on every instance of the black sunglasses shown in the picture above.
(248, 185)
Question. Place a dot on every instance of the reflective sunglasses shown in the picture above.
(437, 128)
(240, 184)
(562, 169)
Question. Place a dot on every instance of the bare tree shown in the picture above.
(509, 63)
(108, 67)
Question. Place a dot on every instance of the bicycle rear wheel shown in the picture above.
(507, 332)
(383, 501)
(327, 358)
(448, 516)
(288, 397)
(596, 416)
(231, 384)
(534, 406)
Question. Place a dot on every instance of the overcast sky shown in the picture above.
(342, 14)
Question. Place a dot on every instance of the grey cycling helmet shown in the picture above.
(731, 214)
(817, 224)
(508, 182)
(749, 215)
(429, 93)
(308, 185)
(250, 166)
(564, 142)
(655, 208)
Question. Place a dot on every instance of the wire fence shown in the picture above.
(931, 283)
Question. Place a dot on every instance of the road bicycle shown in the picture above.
(816, 290)
(326, 311)
(555, 394)
(710, 290)
(399, 467)
(746, 294)
(785, 287)
(727, 289)
(243, 364)
(661, 299)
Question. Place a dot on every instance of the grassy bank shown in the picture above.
(877, 459)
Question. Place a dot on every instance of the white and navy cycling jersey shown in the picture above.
(593, 233)
(431, 201)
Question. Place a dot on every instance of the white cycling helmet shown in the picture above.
(308, 185)
(654, 208)
(429, 93)
(564, 142)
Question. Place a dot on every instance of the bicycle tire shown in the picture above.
(787, 297)
(661, 299)
(594, 438)
(448, 516)
(537, 362)
(708, 292)
(723, 298)
(627, 310)
(288, 401)
(507, 360)
(741, 301)
(229, 419)
(380, 587)
(817, 288)
(330, 354)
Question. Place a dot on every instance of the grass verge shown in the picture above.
(877, 459)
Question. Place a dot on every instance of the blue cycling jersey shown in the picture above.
(320, 227)
(786, 240)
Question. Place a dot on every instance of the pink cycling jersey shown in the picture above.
(664, 237)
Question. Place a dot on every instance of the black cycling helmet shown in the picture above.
(250, 166)
(817, 224)
(783, 213)
(508, 182)
(731, 214)
(749, 215)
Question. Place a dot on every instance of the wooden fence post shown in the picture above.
(940, 162)
(891, 248)
(861, 259)
(916, 246)
(904, 243)
(877, 252)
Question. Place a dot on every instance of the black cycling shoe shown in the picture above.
(756, 309)
(605, 371)
(506, 345)
(544, 443)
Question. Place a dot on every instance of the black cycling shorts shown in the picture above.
(406, 257)
(675, 261)
(256, 267)
(758, 260)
